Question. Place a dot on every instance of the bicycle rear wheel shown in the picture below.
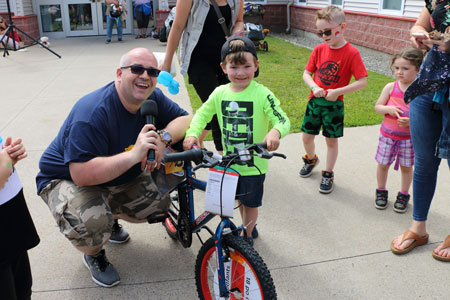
(246, 274)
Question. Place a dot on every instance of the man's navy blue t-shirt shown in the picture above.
(99, 125)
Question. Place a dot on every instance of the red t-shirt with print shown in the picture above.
(333, 68)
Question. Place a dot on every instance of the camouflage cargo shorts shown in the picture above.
(85, 214)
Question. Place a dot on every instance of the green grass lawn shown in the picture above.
(281, 70)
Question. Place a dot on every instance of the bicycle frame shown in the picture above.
(199, 223)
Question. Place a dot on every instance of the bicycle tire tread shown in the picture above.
(249, 253)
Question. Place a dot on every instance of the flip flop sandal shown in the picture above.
(418, 241)
(446, 244)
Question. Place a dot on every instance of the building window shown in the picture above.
(301, 1)
(336, 2)
(51, 18)
(392, 4)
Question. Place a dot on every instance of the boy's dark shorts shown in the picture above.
(252, 189)
(326, 114)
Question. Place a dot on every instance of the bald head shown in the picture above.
(133, 54)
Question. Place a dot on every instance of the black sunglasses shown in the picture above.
(139, 70)
(326, 32)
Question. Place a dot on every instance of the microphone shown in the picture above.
(149, 109)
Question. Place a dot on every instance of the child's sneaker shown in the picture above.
(309, 165)
(401, 204)
(326, 185)
(255, 233)
(381, 199)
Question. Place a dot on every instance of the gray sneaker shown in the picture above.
(102, 271)
(118, 234)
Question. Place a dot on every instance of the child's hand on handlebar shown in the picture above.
(189, 142)
(272, 139)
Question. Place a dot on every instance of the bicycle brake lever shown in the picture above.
(206, 165)
(265, 155)
(279, 155)
(198, 167)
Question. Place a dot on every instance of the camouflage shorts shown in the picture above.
(85, 214)
(326, 114)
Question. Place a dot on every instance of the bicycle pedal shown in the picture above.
(157, 217)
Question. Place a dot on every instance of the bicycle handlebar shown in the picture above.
(208, 159)
(195, 154)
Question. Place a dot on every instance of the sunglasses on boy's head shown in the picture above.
(139, 70)
(326, 32)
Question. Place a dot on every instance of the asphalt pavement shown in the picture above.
(316, 246)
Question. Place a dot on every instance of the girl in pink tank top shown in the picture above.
(395, 140)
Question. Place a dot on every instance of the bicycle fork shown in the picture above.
(225, 227)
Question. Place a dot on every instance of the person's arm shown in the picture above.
(422, 25)
(333, 94)
(202, 116)
(317, 90)
(178, 26)
(6, 166)
(279, 120)
(103, 169)
(239, 24)
(177, 128)
(381, 107)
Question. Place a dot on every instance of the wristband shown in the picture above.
(313, 88)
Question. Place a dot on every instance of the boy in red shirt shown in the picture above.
(333, 64)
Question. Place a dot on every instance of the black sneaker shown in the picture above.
(381, 199)
(255, 233)
(401, 204)
(108, 41)
(102, 271)
(120, 40)
(118, 234)
(309, 165)
(326, 185)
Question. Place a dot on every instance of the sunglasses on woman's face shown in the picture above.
(327, 32)
(139, 70)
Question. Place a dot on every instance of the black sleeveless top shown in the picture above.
(212, 37)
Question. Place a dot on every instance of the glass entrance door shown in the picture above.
(87, 17)
(101, 16)
(81, 18)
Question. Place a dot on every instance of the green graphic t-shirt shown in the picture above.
(244, 119)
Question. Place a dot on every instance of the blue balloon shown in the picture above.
(167, 80)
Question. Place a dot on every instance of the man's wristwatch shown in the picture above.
(166, 137)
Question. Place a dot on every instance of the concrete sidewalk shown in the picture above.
(316, 246)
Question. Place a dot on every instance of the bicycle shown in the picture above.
(238, 272)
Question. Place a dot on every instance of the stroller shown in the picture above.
(165, 30)
(253, 18)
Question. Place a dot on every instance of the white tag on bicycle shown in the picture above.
(212, 196)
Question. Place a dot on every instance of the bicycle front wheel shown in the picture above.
(246, 274)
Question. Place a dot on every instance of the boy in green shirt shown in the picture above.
(244, 109)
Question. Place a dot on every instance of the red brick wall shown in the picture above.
(383, 33)
(275, 15)
(161, 16)
(29, 24)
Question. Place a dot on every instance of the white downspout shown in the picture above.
(288, 7)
